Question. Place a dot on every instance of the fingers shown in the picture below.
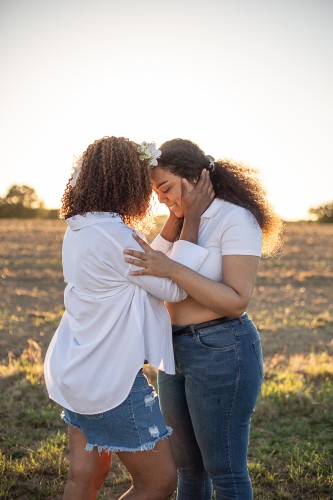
(135, 253)
(135, 262)
(204, 183)
(207, 183)
(204, 180)
(185, 188)
(138, 273)
(141, 242)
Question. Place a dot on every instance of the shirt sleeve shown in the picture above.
(188, 254)
(242, 234)
(161, 288)
(162, 245)
(182, 251)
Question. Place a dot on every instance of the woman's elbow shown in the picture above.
(240, 307)
(233, 311)
(237, 313)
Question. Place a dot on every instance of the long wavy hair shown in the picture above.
(112, 179)
(234, 182)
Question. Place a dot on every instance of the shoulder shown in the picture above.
(223, 213)
(235, 213)
(240, 231)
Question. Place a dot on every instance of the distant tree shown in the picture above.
(22, 195)
(22, 202)
(324, 213)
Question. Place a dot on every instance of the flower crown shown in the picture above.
(147, 152)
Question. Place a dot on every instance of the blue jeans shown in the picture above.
(209, 403)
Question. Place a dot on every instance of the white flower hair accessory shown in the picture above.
(76, 169)
(147, 151)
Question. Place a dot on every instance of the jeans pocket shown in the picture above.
(216, 338)
(258, 350)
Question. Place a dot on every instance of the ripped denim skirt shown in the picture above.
(135, 425)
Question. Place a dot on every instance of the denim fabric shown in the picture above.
(209, 403)
(135, 425)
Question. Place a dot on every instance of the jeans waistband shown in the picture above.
(179, 330)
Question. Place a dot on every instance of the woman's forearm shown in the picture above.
(172, 228)
(229, 298)
(190, 229)
(218, 297)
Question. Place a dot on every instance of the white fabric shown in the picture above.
(113, 321)
(225, 229)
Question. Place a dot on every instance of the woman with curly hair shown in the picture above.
(218, 357)
(113, 322)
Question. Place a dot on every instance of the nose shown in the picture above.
(162, 197)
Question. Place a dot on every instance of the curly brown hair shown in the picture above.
(112, 179)
(232, 181)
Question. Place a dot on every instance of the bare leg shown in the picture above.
(87, 469)
(153, 472)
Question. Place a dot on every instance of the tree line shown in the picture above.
(22, 202)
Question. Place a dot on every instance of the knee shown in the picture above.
(163, 488)
(158, 489)
(88, 475)
(169, 484)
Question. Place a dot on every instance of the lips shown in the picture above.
(172, 207)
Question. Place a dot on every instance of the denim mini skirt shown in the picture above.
(135, 425)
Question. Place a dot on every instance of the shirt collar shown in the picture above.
(90, 218)
(213, 209)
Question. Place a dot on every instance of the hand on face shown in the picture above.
(195, 200)
(180, 195)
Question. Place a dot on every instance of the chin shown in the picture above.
(179, 214)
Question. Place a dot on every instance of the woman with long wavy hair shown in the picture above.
(218, 357)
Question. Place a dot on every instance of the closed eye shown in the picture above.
(166, 190)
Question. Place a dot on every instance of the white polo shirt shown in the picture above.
(113, 321)
(225, 229)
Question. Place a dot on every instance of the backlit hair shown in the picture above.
(233, 181)
(112, 179)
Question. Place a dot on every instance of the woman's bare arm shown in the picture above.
(229, 298)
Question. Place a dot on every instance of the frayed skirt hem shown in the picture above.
(115, 449)
(118, 449)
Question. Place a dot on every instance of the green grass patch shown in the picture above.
(291, 445)
(33, 442)
(290, 454)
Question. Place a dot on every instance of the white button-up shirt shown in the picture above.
(113, 321)
(225, 229)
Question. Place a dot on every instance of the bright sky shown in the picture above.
(246, 79)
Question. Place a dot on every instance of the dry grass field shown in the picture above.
(291, 445)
